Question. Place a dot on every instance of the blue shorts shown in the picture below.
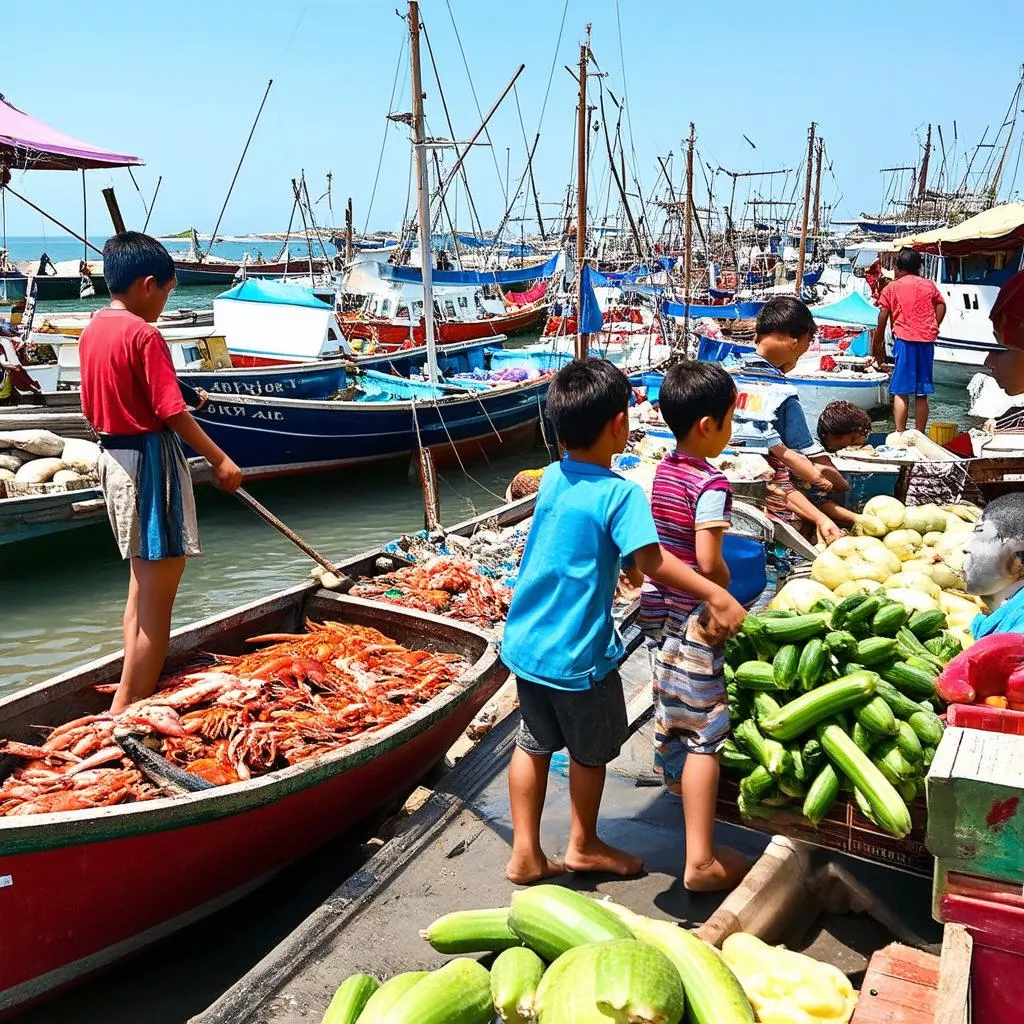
(912, 373)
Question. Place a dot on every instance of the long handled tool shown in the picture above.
(333, 577)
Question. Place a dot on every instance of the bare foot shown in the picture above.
(724, 871)
(601, 857)
(527, 870)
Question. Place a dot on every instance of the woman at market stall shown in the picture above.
(1008, 325)
(994, 566)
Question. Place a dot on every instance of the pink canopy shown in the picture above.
(28, 144)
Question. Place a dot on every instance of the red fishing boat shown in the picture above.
(81, 889)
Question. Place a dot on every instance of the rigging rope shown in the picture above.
(472, 89)
(384, 140)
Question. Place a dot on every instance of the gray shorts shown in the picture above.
(590, 724)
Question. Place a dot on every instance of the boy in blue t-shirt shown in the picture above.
(560, 639)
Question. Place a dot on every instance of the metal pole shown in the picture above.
(807, 212)
(688, 252)
(50, 217)
(581, 194)
(422, 190)
(348, 232)
(152, 202)
(817, 198)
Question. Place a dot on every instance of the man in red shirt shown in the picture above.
(916, 307)
(131, 396)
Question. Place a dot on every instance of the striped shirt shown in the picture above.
(688, 495)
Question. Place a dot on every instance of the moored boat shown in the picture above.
(183, 856)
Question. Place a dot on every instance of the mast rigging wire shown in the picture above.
(384, 139)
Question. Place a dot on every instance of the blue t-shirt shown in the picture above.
(559, 630)
(789, 424)
(1007, 618)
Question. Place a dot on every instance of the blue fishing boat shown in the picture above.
(371, 417)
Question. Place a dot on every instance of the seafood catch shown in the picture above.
(296, 697)
(444, 585)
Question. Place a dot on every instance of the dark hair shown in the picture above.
(842, 418)
(1006, 513)
(583, 397)
(909, 261)
(785, 314)
(130, 255)
(692, 390)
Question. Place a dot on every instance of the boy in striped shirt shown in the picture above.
(692, 506)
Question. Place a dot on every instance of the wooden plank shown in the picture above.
(952, 1001)
(899, 987)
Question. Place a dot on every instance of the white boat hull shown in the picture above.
(958, 360)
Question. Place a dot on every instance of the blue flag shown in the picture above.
(590, 312)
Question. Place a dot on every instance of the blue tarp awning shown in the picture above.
(732, 311)
(274, 292)
(413, 275)
(854, 309)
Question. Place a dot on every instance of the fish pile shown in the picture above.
(300, 697)
(444, 585)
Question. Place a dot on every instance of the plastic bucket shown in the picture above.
(942, 433)
(745, 558)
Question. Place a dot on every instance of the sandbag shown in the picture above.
(81, 455)
(6, 474)
(12, 459)
(43, 443)
(38, 471)
(67, 476)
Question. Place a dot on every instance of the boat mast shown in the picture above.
(688, 252)
(807, 210)
(581, 194)
(993, 191)
(422, 190)
(923, 183)
(817, 198)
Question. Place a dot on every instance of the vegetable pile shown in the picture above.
(914, 553)
(840, 698)
(564, 958)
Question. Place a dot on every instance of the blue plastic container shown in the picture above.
(652, 381)
(747, 566)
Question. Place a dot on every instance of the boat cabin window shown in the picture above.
(993, 269)
(449, 308)
(463, 302)
(402, 312)
(331, 335)
(385, 307)
(417, 310)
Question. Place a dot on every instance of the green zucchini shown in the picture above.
(784, 666)
(765, 706)
(350, 999)
(888, 620)
(807, 710)
(841, 644)
(901, 704)
(636, 982)
(471, 931)
(909, 744)
(789, 630)
(929, 756)
(768, 753)
(390, 995)
(551, 919)
(843, 609)
(909, 646)
(928, 727)
(885, 803)
(913, 682)
(925, 666)
(811, 664)
(797, 770)
(908, 790)
(756, 675)
(861, 615)
(889, 760)
(739, 649)
(812, 756)
(792, 787)
(823, 604)
(756, 785)
(734, 760)
(515, 975)
(821, 795)
(924, 625)
(457, 993)
(876, 716)
(873, 650)
(864, 739)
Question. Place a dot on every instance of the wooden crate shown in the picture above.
(975, 819)
(844, 829)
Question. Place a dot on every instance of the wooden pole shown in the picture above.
(348, 231)
(817, 198)
(533, 186)
(807, 211)
(422, 190)
(115, 211)
(581, 192)
(688, 251)
(923, 184)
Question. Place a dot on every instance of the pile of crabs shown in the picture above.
(298, 697)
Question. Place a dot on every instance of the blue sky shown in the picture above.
(179, 84)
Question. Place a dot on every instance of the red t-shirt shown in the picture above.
(910, 301)
(128, 380)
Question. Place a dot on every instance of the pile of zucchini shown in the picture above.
(562, 958)
(839, 699)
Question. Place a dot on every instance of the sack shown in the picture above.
(67, 476)
(83, 456)
(43, 443)
(38, 471)
(12, 459)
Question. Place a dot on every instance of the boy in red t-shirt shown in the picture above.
(916, 307)
(131, 396)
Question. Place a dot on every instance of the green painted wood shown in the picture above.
(975, 791)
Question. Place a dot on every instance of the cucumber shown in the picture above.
(901, 704)
(756, 675)
(457, 993)
(807, 710)
(551, 919)
(350, 999)
(925, 625)
(874, 650)
(390, 995)
(841, 644)
(843, 609)
(821, 795)
(636, 982)
(471, 931)
(784, 666)
(888, 620)
(515, 975)
(864, 739)
(765, 706)
(768, 753)
(876, 716)
(911, 681)
(928, 727)
(734, 760)
(909, 744)
(811, 664)
(788, 630)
